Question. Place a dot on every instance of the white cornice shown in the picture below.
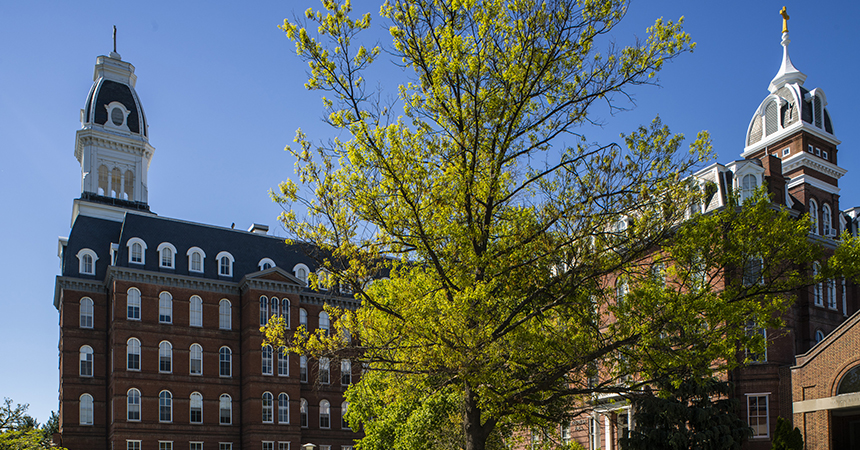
(814, 182)
(76, 284)
(106, 139)
(804, 159)
(800, 125)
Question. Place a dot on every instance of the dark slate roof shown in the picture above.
(246, 248)
(102, 93)
(96, 235)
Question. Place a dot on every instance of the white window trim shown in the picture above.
(786, 151)
(191, 357)
(218, 261)
(266, 261)
(91, 408)
(766, 395)
(127, 404)
(80, 255)
(229, 316)
(191, 252)
(91, 313)
(296, 272)
(139, 307)
(137, 240)
(161, 247)
(190, 311)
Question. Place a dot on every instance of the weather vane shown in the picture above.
(782, 13)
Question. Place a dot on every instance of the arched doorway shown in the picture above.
(845, 422)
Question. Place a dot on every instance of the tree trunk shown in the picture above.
(476, 433)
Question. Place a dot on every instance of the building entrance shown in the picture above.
(845, 428)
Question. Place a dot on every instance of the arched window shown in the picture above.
(195, 313)
(266, 263)
(813, 215)
(87, 261)
(274, 307)
(225, 314)
(267, 407)
(165, 357)
(303, 412)
(818, 288)
(345, 372)
(301, 271)
(827, 220)
(132, 354)
(86, 409)
(165, 307)
(136, 250)
(116, 182)
(283, 362)
(844, 299)
(196, 408)
(283, 408)
(850, 382)
(103, 180)
(195, 364)
(303, 318)
(749, 183)
(325, 414)
(165, 406)
(323, 280)
(267, 360)
(128, 188)
(225, 362)
(830, 293)
(285, 311)
(225, 410)
(195, 259)
(303, 369)
(819, 336)
(86, 312)
(264, 311)
(167, 255)
(324, 371)
(324, 322)
(344, 407)
(132, 408)
(133, 304)
(225, 264)
(752, 271)
(86, 369)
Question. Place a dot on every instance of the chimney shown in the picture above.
(259, 229)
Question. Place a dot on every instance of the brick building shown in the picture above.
(159, 318)
(790, 147)
(826, 390)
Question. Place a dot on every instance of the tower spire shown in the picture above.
(114, 54)
(787, 72)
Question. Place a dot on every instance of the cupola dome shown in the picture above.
(112, 101)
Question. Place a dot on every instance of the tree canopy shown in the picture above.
(508, 269)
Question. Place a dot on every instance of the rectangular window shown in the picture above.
(132, 445)
(753, 330)
(165, 445)
(817, 151)
(824, 155)
(225, 446)
(757, 416)
(786, 151)
(809, 149)
(283, 446)
(196, 446)
(268, 445)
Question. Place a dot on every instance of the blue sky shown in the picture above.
(223, 93)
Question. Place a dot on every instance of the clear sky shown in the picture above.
(223, 94)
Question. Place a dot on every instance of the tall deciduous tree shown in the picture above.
(525, 269)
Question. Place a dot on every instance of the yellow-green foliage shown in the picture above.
(490, 226)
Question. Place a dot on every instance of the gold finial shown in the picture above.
(785, 18)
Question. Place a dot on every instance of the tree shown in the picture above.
(786, 438)
(695, 414)
(513, 260)
(19, 431)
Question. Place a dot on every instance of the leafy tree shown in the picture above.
(786, 438)
(520, 260)
(695, 414)
(13, 417)
(19, 431)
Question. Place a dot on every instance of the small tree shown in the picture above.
(697, 413)
(786, 438)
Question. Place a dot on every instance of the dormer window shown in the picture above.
(136, 251)
(301, 272)
(87, 261)
(195, 259)
(167, 255)
(118, 115)
(266, 263)
(225, 264)
(749, 183)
